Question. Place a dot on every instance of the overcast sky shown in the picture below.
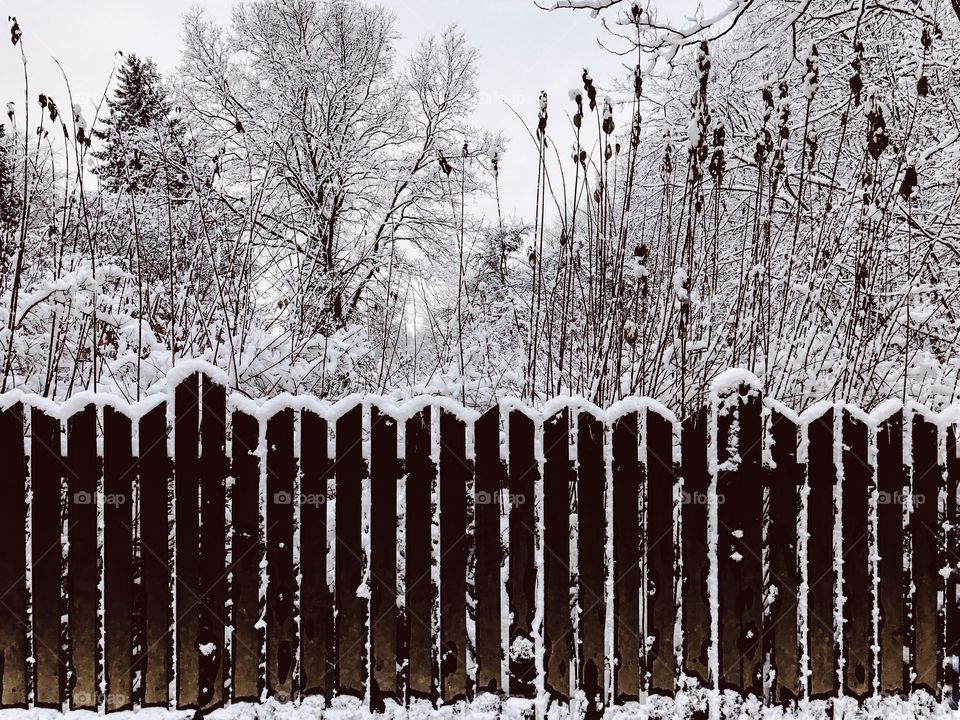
(523, 50)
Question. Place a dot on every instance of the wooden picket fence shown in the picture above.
(291, 551)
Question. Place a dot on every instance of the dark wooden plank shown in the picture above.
(591, 482)
(417, 638)
(156, 471)
(696, 563)
(281, 586)
(245, 557)
(927, 475)
(489, 479)
(455, 472)
(316, 601)
(892, 481)
(821, 476)
(14, 647)
(660, 554)
(119, 470)
(951, 680)
(83, 475)
(739, 553)
(352, 610)
(186, 429)
(46, 471)
(782, 634)
(558, 480)
(627, 481)
(385, 472)
(521, 582)
(858, 484)
(213, 561)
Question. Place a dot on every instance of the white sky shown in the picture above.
(523, 50)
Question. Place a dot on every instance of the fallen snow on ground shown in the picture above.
(488, 707)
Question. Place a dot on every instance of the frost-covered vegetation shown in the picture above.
(773, 188)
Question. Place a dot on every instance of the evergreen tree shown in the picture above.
(142, 148)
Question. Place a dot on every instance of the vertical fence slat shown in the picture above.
(245, 557)
(782, 634)
(557, 631)
(186, 439)
(213, 472)
(661, 607)
(14, 646)
(83, 557)
(118, 475)
(46, 473)
(316, 602)
(419, 589)
(591, 559)
(951, 681)
(454, 476)
(626, 558)
(351, 606)
(927, 476)
(857, 587)
(384, 474)
(155, 470)
(740, 524)
(281, 640)
(892, 484)
(696, 563)
(489, 478)
(523, 473)
(821, 574)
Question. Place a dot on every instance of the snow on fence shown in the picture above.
(198, 549)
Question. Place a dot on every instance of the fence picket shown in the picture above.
(417, 647)
(927, 476)
(83, 475)
(784, 480)
(14, 643)
(821, 574)
(385, 472)
(522, 556)
(661, 605)
(454, 545)
(155, 472)
(557, 630)
(212, 570)
(591, 483)
(119, 471)
(46, 470)
(626, 558)
(316, 600)
(245, 557)
(740, 523)
(892, 484)
(186, 439)
(489, 479)
(696, 563)
(857, 589)
(281, 630)
(952, 561)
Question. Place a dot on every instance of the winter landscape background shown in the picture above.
(324, 197)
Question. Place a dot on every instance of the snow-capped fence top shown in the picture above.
(199, 549)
